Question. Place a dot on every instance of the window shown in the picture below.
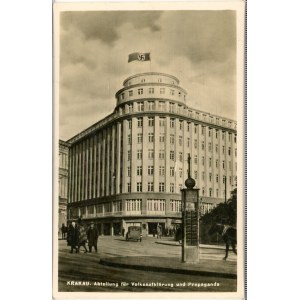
(210, 192)
(210, 177)
(172, 123)
(180, 156)
(180, 172)
(150, 170)
(209, 147)
(172, 155)
(162, 137)
(190, 113)
(209, 162)
(195, 174)
(217, 163)
(161, 170)
(172, 188)
(150, 187)
(161, 187)
(188, 126)
(140, 122)
(235, 138)
(217, 193)
(172, 171)
(202, 130)
(143, 80)
(151, 90)
(202, 161)
(172, 107)
(179, 94)
(117, 206)
(195, 159)
(223, 136)
(172, 139)
(180, 124)
(216, 134)
(140, 106)
(217, 148)
(156, 205)
(151, 137)
(129, 124)
(180, 140)
(229, 151)
(130, 107)
(188, 142)
(90, 209)
(139, 154)
(202, 145)
(223, 149)
(129, 139)
(223, 164)
(134, 205)
(172, 92)
(129, 187)
(195, 128)
(140, 91)
(229, 179)
(122, 96)
(161, 105)
(150, 153)
(224, 178)
(209, 132)
(195, 144)
(161, 154)
(139, 187)
(235, 152)
(129, 171)
(217, 178)
(129, 155)
(151, 121)
(151, 105)
(139, 170)
(162, 121)
(140, 138)
(203, 191)
(130, 93)
(162, 90)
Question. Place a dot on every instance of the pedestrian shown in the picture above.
(73, 237)
(82, 236)
(123, 232)
(92, 235)
(158, 230)
(63, 231)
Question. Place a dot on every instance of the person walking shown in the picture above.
(92, 235)
(82, 236)
(73, 237)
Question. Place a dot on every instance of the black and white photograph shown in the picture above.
(149, 191)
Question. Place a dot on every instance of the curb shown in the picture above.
(166, 270)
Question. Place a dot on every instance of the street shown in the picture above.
(82, 271)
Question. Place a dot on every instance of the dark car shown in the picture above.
(134, 233)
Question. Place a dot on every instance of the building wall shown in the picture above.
(140, 153)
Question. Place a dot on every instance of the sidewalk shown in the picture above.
(205, 267)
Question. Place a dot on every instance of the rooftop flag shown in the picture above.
(138, 56)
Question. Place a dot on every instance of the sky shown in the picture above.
(198, 47)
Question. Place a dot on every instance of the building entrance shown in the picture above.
(152, 228)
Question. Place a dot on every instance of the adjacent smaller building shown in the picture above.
(63, 183)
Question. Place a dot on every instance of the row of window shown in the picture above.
(162, 123)
(172, 172)
(151, 90)
(135, 205)
(173, 108)
(180, 158)
(180, 142)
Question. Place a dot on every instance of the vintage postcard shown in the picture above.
(149, 191)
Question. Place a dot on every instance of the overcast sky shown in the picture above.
(198, 47)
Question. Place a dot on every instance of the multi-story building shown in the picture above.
(129, 168)
(63, 183)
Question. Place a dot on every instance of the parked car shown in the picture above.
(134, 233)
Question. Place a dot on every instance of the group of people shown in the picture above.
(78, 236)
